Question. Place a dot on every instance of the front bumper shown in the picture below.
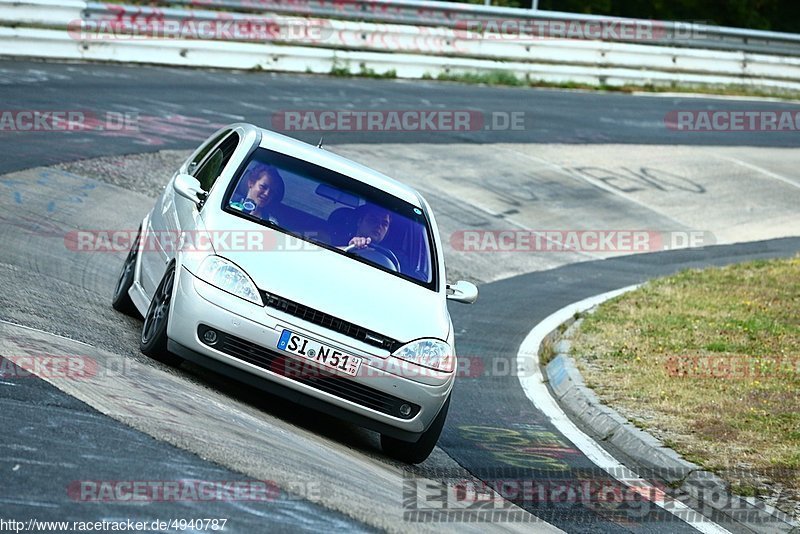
(255, 359)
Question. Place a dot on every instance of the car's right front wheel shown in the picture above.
(418, 451)
(122, 301)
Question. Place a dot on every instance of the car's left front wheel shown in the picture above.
(154, 330)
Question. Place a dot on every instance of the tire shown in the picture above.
(121, 301)
(417, 452)
(154, 330)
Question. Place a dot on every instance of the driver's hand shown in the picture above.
(360, 242)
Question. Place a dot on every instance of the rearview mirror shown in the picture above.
(462, 291)
(188, 187)
(337, 195)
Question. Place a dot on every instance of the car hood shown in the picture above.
(346, 288)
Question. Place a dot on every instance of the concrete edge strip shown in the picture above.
(12, 323)
(733, 98)
(532, 382)
(570, 394)
(541, 524)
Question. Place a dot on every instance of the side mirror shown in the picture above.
(188, 187)
(462, 291)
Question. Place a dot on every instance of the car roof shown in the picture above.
(324, 158)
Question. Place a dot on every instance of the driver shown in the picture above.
(371, 226)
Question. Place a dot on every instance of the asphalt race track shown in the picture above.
(145, 421)
(207, 99)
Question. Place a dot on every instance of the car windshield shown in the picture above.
(336, 212)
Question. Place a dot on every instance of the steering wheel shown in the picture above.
(389, 254)
(383, 254)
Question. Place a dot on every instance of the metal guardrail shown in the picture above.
(482, 18)
(76, 29)
(58, 44)
(164, 23)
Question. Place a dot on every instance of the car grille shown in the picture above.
(329, 321)
(309, 375)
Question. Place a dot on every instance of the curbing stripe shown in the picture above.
(571, 394)
(535, 388)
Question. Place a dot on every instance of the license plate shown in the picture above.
(317, 352)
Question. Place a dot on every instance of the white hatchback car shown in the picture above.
(290, 268)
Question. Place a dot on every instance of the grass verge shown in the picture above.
(509, 79)
(505, 78)
(709, 361)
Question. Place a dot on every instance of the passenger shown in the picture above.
(265, 188)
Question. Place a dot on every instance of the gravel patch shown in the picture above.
(142, 173)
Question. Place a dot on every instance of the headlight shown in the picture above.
(228, 277)
(431, 353)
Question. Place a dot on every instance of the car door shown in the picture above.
(172, 214)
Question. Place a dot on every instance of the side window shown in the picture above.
(210, 169)
(198, 158)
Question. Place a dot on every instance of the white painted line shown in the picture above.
(534, 386)
(760, 170)
(738, 98)
(44, 332)
(221, 114)
(161, 103)
(259, 107)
